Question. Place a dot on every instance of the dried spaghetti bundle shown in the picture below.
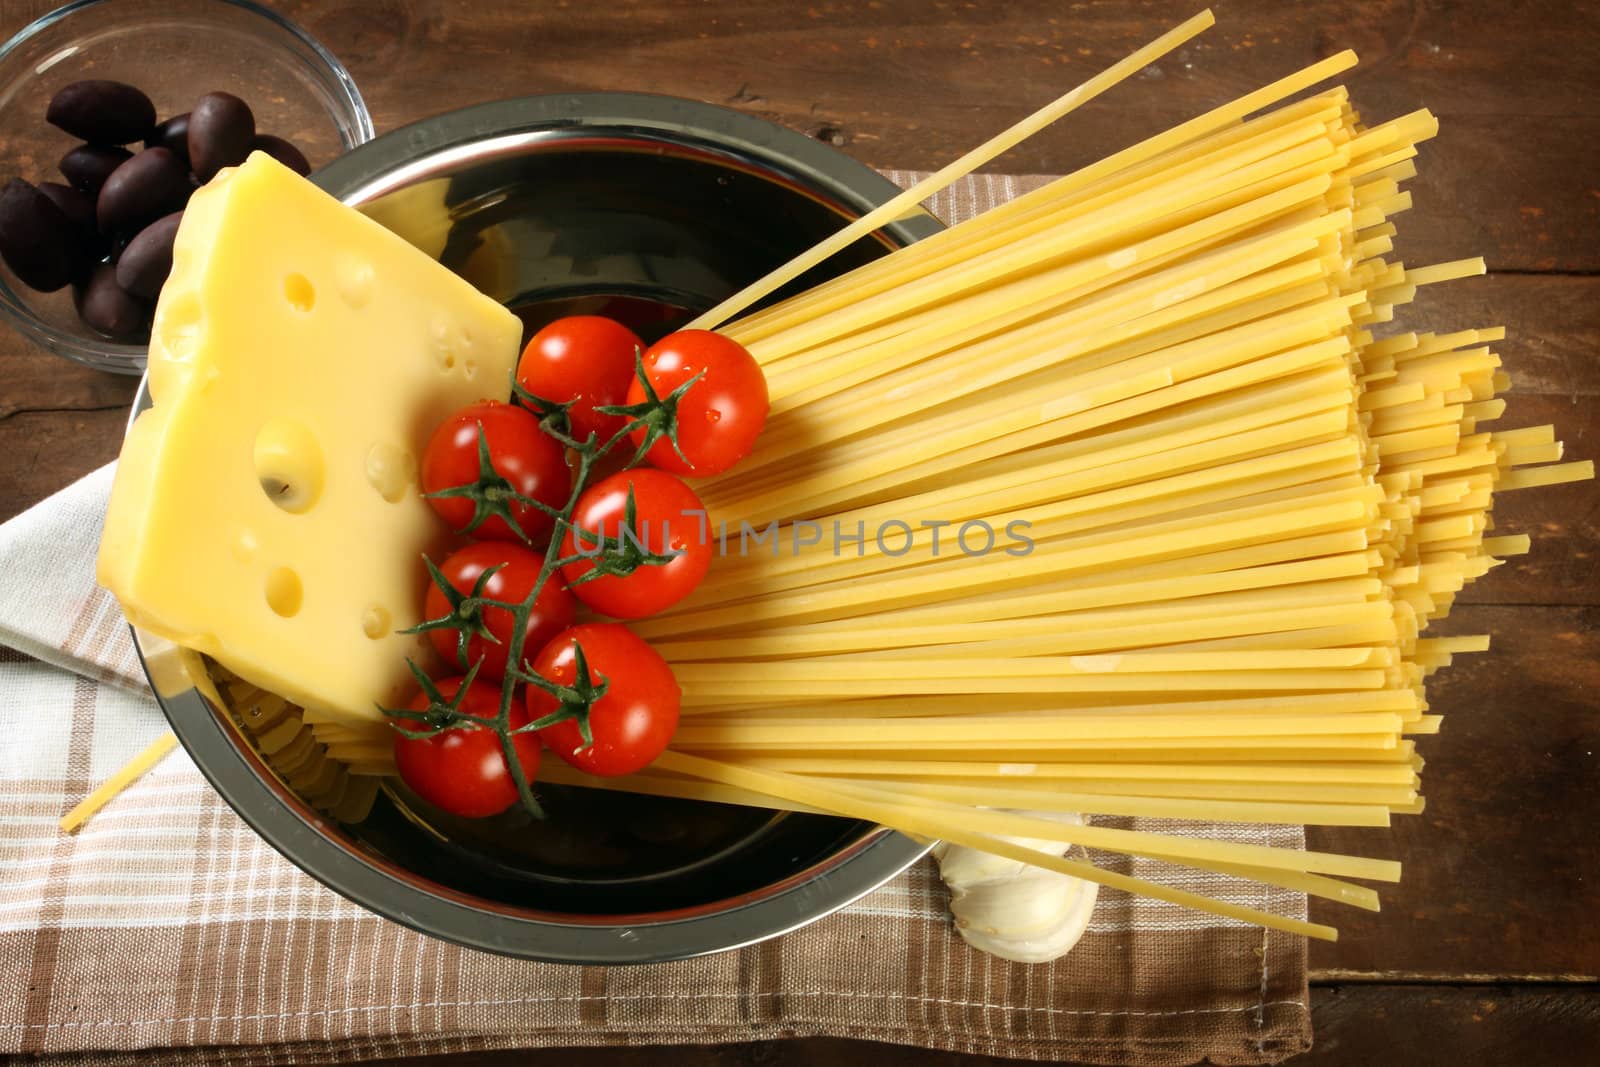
(1112, 500)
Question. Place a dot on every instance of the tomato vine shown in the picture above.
(490, 496)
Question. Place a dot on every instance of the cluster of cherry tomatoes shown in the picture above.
(631, 544)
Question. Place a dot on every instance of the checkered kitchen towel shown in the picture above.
(166, 925)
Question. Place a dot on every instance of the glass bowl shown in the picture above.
(176, 51)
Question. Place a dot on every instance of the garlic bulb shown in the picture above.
(1013, 910)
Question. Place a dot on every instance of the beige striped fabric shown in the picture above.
(167, 931)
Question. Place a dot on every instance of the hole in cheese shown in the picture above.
(289, 465)
(297, 289)
(391, 470)
(375, 621)
(354, 281)
(178, 326)
(451, 345)
(284, 592)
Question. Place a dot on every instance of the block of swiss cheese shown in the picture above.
(266, 510)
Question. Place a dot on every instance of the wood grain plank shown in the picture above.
(1502, 871)
(58, 421)
(1552, 323)
(1422, 1026)
(1553, 334)
(36, 381)
(915, 84)
(48, 450)
(1563, 520)
(1447, 1026)
(903, 84)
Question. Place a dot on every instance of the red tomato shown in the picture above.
(635, 718)
(463, 770)
(720, 416)
(664, 521)
(525, 461)
(553, 611)
(585, 359)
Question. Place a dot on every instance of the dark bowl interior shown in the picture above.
(648, 210)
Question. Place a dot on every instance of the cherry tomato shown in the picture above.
(526, 460)
(664, 521)
(635, 718)
(463, 770)
(588, 360)
(553, 611)
(720, 416)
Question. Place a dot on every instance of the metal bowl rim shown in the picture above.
(849, 874)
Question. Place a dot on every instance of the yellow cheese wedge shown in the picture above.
(266, 510)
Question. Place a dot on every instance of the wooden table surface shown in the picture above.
(1489, 951)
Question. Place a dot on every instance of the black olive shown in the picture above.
(38, 241)
(102, 112)
(221, 131)
(144, 265)
(151, 184)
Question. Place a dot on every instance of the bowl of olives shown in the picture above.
(112, 113)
